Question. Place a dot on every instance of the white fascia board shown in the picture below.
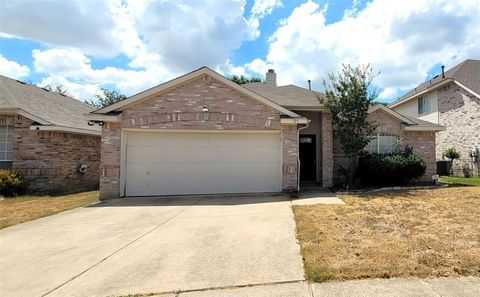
(425, 128)
(433, 87)
(103, 117)
(392, 113)
(65, 129)
(23, 113)
(468, 90)
(294, 121)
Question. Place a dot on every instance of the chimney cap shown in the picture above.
(271, 70)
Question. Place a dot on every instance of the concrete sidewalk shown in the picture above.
(438, 287)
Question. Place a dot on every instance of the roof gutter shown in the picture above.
(425, 128)
(433, 87)
(23, 113)
(65, 129)
(95, 117)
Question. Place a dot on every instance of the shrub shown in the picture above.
(390, 169)
(11, 183)
(451, 153)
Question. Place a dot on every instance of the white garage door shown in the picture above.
(166, 163)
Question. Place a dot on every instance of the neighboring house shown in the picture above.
(45, 136)
(201, 133)
(451, 99)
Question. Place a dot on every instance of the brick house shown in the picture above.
(201, 133)
(45, 136)
(451, 99)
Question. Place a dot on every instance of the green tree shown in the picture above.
(59, 88)
(107, 98)
(451, 154)
(349, 95)
(243, 79)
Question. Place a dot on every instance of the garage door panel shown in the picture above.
(200, 185)
(201, 139)
(186, 170)
(202, 163)
(136, 154)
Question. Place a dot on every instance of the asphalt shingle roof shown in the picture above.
(286, 96)
(50, 106)
(466, 73)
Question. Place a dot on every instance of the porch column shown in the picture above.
(289, 157)
(327, 150)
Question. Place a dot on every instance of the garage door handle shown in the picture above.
(148, 172)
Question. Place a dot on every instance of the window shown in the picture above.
(6, 146)
(423, 105)
(382, 143)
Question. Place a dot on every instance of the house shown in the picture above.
(451, 99)
(45, 136)
(200, 133)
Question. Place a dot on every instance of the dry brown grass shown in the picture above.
(418, 233)
(26, 208)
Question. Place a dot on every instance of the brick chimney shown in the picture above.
(271, 78)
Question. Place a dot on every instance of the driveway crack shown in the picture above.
(123, 247)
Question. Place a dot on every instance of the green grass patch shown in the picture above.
(466, 181)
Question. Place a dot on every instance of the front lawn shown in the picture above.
(466, 181)
(416, 233)
(26, 208)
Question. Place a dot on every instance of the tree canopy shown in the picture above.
(244, 79)
(107, 98)
(349, 96)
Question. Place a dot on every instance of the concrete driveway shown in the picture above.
(152, 245)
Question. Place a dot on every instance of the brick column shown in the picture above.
(327, 150)
(110, 161)
(289, 157)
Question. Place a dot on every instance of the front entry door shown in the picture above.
(308, 162)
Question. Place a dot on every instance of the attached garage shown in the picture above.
(199, 133)
(202, 162)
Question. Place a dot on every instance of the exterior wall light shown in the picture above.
(205, 113)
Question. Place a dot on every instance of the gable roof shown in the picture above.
(289, 96)
(465, 74)
(47, 108)
(188, 77)
(411, 123)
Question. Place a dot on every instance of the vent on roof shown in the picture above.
(22, 82)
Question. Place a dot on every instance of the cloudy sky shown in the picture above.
(131, 45)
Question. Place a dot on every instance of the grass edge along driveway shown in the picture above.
(21, 209)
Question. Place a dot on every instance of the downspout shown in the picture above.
(298, 157)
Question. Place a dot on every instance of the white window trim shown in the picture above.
(5, 141)
(377, 137)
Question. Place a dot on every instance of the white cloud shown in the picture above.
(402, 39)
(72, 68)
(80, 91)
(84, 24)
(261, 8)
(12, 69)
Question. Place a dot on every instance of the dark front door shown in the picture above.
(308, 153)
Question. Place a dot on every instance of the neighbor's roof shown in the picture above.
(466, 73)
(289, 96)
(47, 108)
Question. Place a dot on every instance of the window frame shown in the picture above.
(423, 105)
(376, 138)
(7, 156)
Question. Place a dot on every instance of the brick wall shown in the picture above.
(290, 157)
(327, 150)
(423, 144)
(49, 160)
(181, 108)
(459, 111)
